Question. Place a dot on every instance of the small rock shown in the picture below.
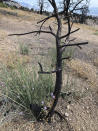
(21, 113)
(66, 114)
(68, 107)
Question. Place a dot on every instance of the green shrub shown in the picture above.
(6, 6)
(24, 87)
(3, 5)
(13, 7)
(24, 49)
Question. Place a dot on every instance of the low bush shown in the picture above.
(3, 5)
(24, 49)
(24, 87)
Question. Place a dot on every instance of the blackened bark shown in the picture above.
(59, 48)
(58, 84)
(41, 8)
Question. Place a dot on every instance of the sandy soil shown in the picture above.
(82, 113)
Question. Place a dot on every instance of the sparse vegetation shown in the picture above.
(13, 59)
(71, 92)
(19, 75)
(24, 49)
(95, 62)
(3, 5)
(84, 70)
(96, 33)
(24, 87)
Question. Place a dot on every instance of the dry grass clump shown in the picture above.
(6, 45)
(3, 34)
(12, 59)
(96, 33)
(83, 70)
(86, 27)
(95, 62)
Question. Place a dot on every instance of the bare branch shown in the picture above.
(69, 34)
(66, 58)
(41, 68)
(47, 18)
(32, 32)
(77, 44)
(72, 39)
(51, 72)
(46, 72)
(79, 47)
(79, 9)
(50, 29)
(53, 3)
(76, 5)
(50, 2)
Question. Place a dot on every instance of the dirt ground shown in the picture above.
(82, 111)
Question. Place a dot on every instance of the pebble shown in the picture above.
(68, 107)
(21, 113)
(66, 114)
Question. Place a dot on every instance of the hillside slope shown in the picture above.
(82, 70)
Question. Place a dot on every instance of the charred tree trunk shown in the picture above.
(58, 84)
(68, 13)
(41, 8)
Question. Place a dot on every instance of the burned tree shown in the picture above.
(69, 6)
(84, 12)
(42, 4)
